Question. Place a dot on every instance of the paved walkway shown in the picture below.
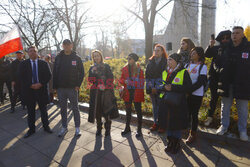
(42, 149)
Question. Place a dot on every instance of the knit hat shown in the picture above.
(133, 56)
(176, 57)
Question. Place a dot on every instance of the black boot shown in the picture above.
(176, 146)
(107, 126)
(138, 133)
(99, 129)
(169, 146)
(128, 118)
(126, 130)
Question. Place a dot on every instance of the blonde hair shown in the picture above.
(96, 51)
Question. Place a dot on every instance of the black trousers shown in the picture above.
(8, 84)
(194, 104)
(138, 111)
(31, 107)
(16, 94)
(214, 98)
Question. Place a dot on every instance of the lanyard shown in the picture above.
(169, 73)
(192, 69)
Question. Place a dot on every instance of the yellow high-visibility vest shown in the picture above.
(178, 80)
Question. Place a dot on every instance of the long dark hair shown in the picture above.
(200, 52)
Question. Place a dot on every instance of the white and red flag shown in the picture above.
(11, 42)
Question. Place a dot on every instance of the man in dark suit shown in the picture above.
(35, 74)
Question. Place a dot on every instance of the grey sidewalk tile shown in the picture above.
(123, 154)
(79, 157)
(118, 123)
(54, 164)
(143, 143)
(116, 135)
(238, 154)
(196, 158)
(101, 145)
(148, 160)
(205, 146)
(58, 150)
(227, 162)
(83, 140)
(9, 142)
(5, 135)
(16, 153)
(85, 125)
(37, 159)
(157, 149)
(103, 162)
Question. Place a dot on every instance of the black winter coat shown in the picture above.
(153, 73)
(68, 71)
(5, 71)
(235, 71)
(214, 53)
(102, 75)
(172, 117)
(14, 70)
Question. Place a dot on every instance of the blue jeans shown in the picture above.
(174, 133)
(242, 108)
(155, 102)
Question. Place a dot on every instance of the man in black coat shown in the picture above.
(68, 73)
(215, 52)
(5, 77)
(234, 81)
(35, 74)
(15, 79)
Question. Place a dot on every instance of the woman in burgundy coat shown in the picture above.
(132, 79)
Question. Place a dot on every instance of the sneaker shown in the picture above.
(243, 136)
(221, 131)
(78, 132)
(62, 132)
(208, 121)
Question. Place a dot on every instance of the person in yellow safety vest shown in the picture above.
(174, 118)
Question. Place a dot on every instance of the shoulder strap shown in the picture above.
(187, 65)
(200, 68)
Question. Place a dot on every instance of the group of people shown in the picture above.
(176, 84)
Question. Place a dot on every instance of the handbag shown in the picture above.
(173, 98)
(122, 92)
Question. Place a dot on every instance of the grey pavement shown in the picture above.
(43, 149)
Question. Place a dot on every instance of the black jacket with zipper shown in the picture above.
(68, 71)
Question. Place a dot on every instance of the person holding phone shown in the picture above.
(214, 51)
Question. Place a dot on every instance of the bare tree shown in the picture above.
(146, 12)
(32, 18)
(73, 14)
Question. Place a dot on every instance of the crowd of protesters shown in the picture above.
(176, 84)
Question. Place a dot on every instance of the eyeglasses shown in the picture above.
(129, 58)
(157, 50)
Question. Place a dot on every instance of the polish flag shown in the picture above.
(11, 42)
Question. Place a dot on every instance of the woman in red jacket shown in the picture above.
(132, 79)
